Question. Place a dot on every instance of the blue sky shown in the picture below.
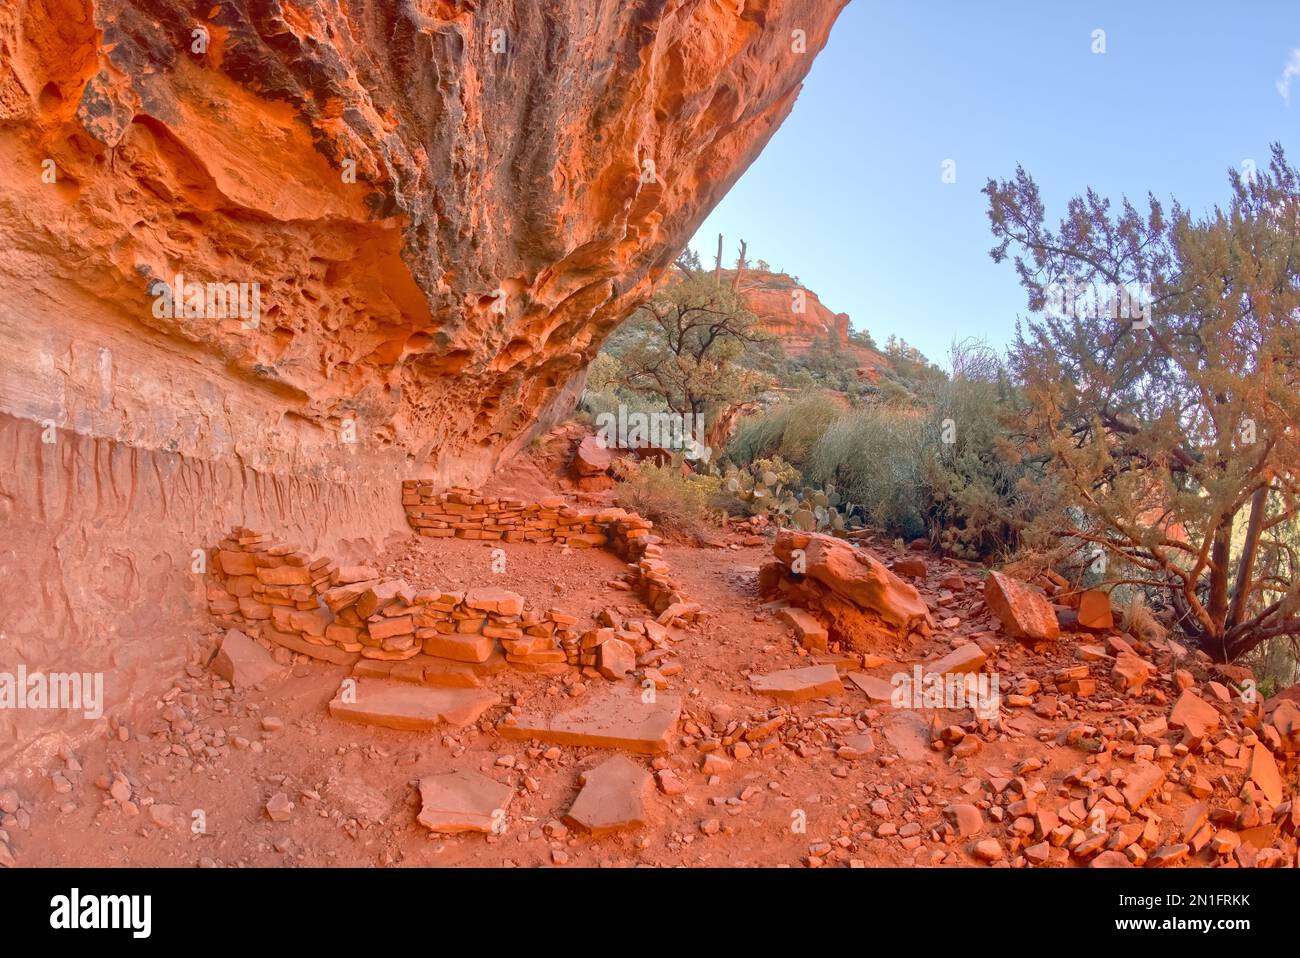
(848, 195)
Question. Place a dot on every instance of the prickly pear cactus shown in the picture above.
(806, 508)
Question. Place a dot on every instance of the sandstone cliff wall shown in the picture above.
(443, 206)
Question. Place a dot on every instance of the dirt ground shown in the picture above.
(200, 773)
(354, 786)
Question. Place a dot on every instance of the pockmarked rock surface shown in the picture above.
(276, 270)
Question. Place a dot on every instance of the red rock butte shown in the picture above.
(787, 309)
(797, 317)
(406, 228)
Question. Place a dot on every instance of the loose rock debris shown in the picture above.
(758, 731)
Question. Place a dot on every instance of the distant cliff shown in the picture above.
(798, 318)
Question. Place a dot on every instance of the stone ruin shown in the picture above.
(419, 658)
(462, 513)
(283, 597)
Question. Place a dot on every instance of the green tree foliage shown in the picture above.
(941, 464)
(863, 338)
(831, 366)
(983, 490)
(1173, 437)
(663, 493)
(686, 346)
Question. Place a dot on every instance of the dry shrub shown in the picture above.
(1136, 619)
(672, 501)
(789, 430)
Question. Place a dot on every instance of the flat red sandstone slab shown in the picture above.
(421, 670)
(876, 690)
(1263, 772)
(613, 797)
(965, 658)
(617, 718)
(242, 662)
(908, 731)
(416, 708)
(1195, 714)
(799, 685)
(296, 643)
(812, 634)
(460, 647)
(1141, 783)
(463, 802)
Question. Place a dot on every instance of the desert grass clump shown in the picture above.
(789, 430)
(874, 457)
(674, 502)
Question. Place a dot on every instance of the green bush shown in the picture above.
(789, 430)
(874, 458)
(671, 500)
(937, 462)
(603, 394)
(982, 492)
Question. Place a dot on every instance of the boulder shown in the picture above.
(592, 457)
(859, 600)
(1023, 610)
(244, 663)
(1095, 613)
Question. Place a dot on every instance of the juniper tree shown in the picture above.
(687, 346)
(1172, 420)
